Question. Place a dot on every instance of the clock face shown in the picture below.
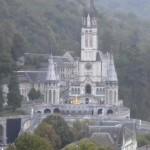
(88, 66)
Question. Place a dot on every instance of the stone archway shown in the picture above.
(56, 111)
(88, 89)
(47, 111)
(110, 112)
(100, 111)
(39, 112)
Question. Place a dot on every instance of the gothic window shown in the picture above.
(50, 97)
(115, 96)
(54, 97)
(100, 111)
(110, 96)
(97, 90)
(73, 91)
(86, 101)
(91, 40)
(78, 90)
(86, 40)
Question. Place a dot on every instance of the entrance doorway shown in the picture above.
(87, 101)
(88, 89)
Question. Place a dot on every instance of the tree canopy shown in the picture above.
(61, 127)
(14, 97)
(47, 132)
(32, 142)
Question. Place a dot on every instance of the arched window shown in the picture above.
(47, 111)
(110, 112)
(97, 91)
(86, 40)
(78, 90)
(54, 97)
(50, 97)
(91, 40)
(88, 89)
(56, 110)
(110, 97)
(115, 97)
(100, 111)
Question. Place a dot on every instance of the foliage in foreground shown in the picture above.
(61, 127)
(84, 144)
(30, 142)
(47, 132)
(14, 96)
(143, 140)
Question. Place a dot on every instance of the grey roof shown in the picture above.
(104, 139)
(117, 132)
(75, 83)
(32, 77)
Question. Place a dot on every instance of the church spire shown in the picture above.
(51, 75)
(89, 15)
(92, 7)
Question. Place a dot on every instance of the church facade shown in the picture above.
(90, 79)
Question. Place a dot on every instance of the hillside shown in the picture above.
(42, 25)
(139, 7)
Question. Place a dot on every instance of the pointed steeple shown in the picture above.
(92, 8)
(89, 14)
(112, 75)
(51, 75)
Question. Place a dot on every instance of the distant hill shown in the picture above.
(139, 7)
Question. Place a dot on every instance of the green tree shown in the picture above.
(80, 129)
(32, 142)
(1, 98)
(11, 147)
(47, 132)
(85, 144)
(33, 94)
(14, 97)
(18, 46)
(61, 128)
(6, 64)
(143, 140)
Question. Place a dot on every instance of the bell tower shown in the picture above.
(89, 34)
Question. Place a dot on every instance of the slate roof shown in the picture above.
(103, 139)
(32, 77)
(114, 135)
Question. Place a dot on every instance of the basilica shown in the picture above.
(88, 80)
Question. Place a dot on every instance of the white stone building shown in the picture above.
(90, 79)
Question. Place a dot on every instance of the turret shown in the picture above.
(52, 87)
